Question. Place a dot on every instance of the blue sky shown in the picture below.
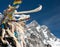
(49, 15)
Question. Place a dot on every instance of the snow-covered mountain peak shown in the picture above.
(44, 34)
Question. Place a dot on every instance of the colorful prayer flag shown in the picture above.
(17, 2)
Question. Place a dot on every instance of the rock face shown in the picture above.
(40, 36)
(33, 35)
